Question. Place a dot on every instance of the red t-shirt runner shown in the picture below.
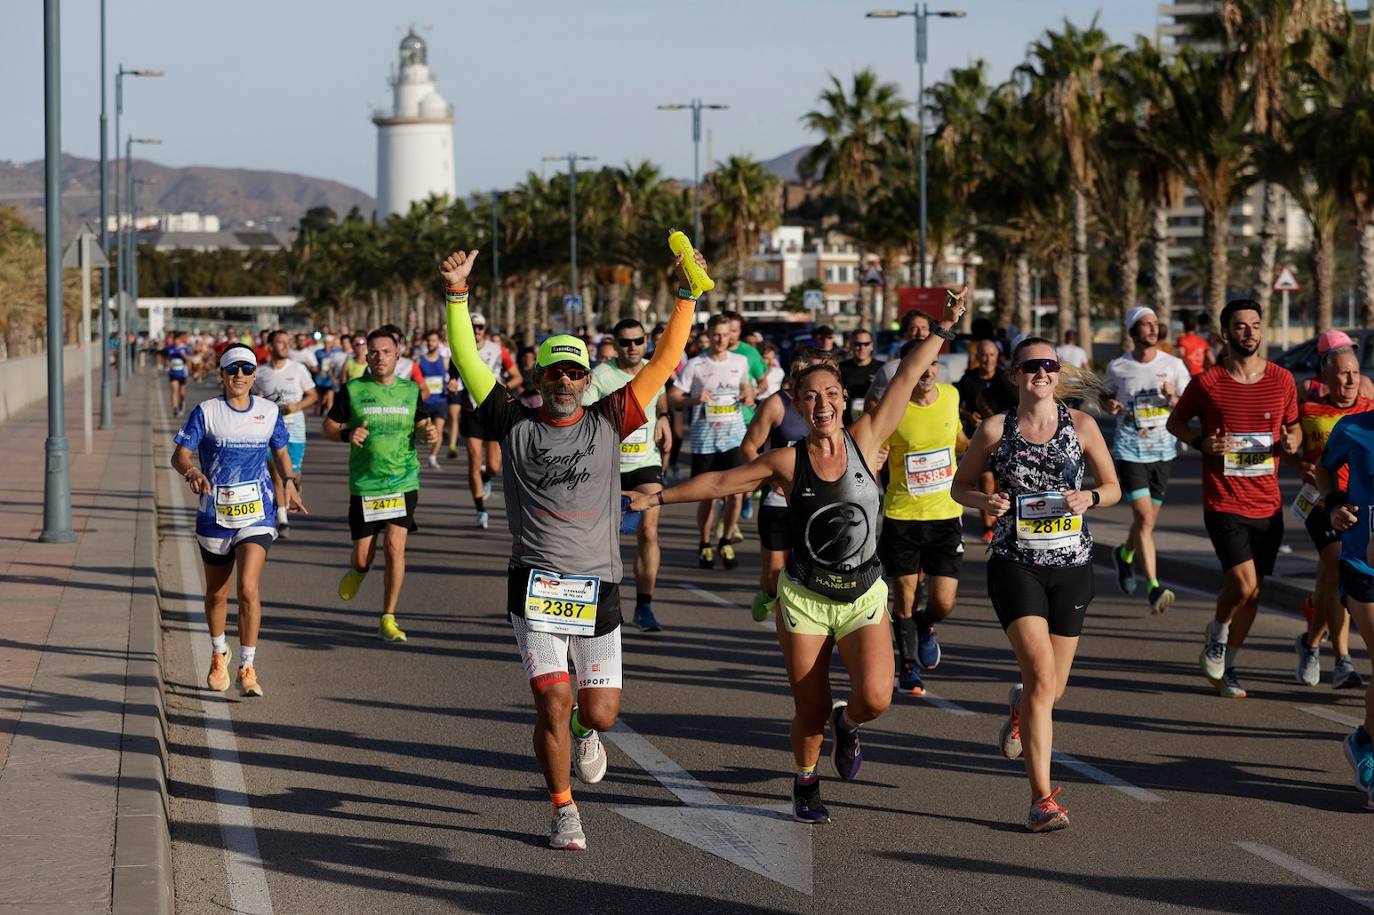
(1244, 480)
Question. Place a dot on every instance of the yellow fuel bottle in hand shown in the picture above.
(679, 244)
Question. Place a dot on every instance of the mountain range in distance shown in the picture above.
(238, 196)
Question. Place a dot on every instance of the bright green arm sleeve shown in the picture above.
(477, 378)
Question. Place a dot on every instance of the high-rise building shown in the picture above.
(414, 136)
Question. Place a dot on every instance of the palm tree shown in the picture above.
(854, 126)
(1202, 133)
(745, 199)
(1067, 78)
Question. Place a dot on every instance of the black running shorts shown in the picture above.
(640, 476)
(1057, 594)
(361, 528)
(1239, 539)
(933, 547)
(1320, 530)
(773, 532)
(1137, 478)
(1356, 585)
(717, 460)
(224, 559)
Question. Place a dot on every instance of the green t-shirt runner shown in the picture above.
(387, 461)
(638, 449)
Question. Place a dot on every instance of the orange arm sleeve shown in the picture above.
(667, 355)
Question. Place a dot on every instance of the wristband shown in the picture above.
(685, 294)
(1335, 499)
(660, 496)
(456, 290)
(1097, 497)
(346, 434)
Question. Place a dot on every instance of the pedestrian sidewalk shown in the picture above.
(83, 822)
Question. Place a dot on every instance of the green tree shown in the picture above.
(746, 200)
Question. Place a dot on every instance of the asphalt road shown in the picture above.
(399, 778)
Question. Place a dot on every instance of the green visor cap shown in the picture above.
(563, 348)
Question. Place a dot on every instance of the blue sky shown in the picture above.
(285, 85)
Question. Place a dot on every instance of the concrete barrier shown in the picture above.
(24, 381)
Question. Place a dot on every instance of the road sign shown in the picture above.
(572, 304)
(72, 256)
(874, 277)
(1287, 281)
(813, 299)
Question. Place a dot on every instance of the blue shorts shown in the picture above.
(296, 451)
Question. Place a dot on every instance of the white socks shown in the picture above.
(220, 643)
(1220, 631)
(246, 655)
(281, 516)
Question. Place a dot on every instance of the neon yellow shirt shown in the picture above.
(921, 461)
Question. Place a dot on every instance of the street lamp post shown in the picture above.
(131, 252)
(121, 355)
(572, 159)
(921, 12)
(57, 484)
(496, 262)
(696, 106)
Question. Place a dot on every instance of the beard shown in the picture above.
(1242, 348)
(558, 408)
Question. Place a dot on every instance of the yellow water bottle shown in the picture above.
(679, 244)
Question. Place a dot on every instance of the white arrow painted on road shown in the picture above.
(763, 840)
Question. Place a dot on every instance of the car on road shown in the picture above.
(1302, 359)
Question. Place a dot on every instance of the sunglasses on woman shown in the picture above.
(1031, 366)
(246, 368)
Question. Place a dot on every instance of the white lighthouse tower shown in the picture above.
(415, 137)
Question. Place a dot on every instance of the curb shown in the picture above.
(142, 881)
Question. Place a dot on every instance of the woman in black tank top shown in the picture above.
(1039, 570)
(831, 593)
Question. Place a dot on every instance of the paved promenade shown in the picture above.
(82, 817)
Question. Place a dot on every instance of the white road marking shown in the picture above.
(1106, 778)
(720, 601)
(1321, 878)
(953, 708)
(242, 860)
(763, 840)
(1319, 711)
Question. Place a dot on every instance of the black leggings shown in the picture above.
(1058, 594)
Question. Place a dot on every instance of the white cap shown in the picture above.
(478, 318)
(238, 353)
(1134, 316)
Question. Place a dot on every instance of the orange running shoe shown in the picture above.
(218, 677)
(1046, 814)
(248, 681)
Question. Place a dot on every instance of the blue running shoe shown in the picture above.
(909, 681)
(848, 756)
(746, 510)
(806, 803)
(1125, 574)
(927, 648)
(644, 619)
(629, 521)
(1361, 759)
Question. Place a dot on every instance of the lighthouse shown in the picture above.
(414, 137)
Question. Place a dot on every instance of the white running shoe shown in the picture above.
(434, 461)
(1213, 659)
(589, 758)
(566, 829)
(482, 520)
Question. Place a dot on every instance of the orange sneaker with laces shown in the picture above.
(248, 681)
(218, 677)
(1046, 814)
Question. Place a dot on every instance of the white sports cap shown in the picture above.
(478, 318)
(1136, 314)
(238, 353)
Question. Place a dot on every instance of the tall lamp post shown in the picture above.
(921, 12)
(696, 106)
(572, 159)
(130, 251)
(121, 352)
(57, 488)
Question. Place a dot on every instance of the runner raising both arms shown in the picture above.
(561, 480)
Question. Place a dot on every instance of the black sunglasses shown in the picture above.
(863, 342)
(234, 368)
(630, 341)
(1031, 366)
(479, 327)
(573, 372)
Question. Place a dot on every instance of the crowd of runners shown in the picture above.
(857, 471)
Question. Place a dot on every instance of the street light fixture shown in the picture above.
(921, 12)
(130, 250)
(572, 159)
(696, 106)
(119, 226)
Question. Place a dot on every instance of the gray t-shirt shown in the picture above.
(562, 484)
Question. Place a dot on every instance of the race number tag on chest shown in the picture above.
(1305, 501)
(384, 508)
(561, 604)
(239, 505)
(929, 471)
(1249, 454)
(636, 444)
(1043, 522)
(722, 408)
(434, 385)
(1151, 411)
